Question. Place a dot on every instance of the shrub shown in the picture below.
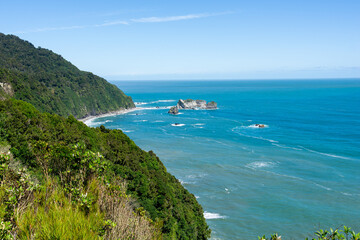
(346, 234)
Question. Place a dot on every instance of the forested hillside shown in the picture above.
(77, 167)
(54, 85)
(60, 179)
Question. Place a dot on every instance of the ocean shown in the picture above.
(298, 174)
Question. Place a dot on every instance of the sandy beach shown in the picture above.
(89, 119)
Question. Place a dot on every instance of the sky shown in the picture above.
(194, 39)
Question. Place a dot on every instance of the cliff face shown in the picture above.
(5, 90)
(54, 85)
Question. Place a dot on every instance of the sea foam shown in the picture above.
(256, 127)
(178, 125)
(160, 101)
(326, 154)
(237, 131)
(153, 108)
(209, 215)
(283, 146)
(92, 123)
(140, 103)
(255, 165)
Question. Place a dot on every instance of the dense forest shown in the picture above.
(54, 85)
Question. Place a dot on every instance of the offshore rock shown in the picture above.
(211, 105)
(174, 110)
(195, 104)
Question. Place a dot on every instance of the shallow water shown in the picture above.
(297, 174)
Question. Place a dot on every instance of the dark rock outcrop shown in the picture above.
(174, 110)
(211, 105)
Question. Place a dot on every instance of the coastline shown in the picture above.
(89, 119)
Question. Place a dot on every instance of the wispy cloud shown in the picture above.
(176, 18)
(124, 22)
(169, 19)
(119, 22)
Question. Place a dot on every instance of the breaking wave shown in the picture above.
(140, 103)
(177, 124)
(209, 215)
(152, 102)
(92, 123)
(125, 131)
(153, 108)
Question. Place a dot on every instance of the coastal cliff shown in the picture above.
(73, 181)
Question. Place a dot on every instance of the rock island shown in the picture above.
(192, 104)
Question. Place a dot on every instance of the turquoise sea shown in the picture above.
(298, 174)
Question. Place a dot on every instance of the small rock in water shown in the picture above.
(174, 110)
(211, 105)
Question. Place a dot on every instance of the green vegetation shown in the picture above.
(59, 209)
(346, 234)
(75, 164)
(54, 85)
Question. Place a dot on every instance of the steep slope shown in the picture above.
(63, 151)
(44, 143)
(54, 85)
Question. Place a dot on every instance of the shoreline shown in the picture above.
(89, 119)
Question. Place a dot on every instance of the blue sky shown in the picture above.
(194, 39)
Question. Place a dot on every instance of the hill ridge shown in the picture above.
(53, 84)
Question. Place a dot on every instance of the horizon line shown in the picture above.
(242, 79)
